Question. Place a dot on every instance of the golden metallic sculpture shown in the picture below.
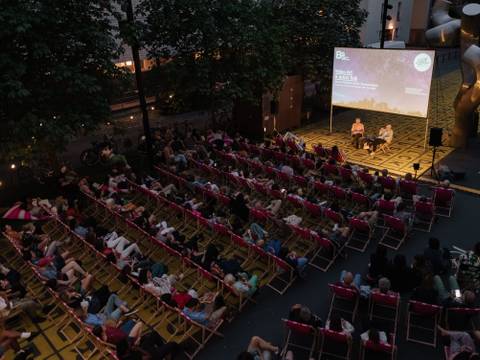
(448, 32)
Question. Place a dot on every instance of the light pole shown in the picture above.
(385, 17)
(139, 78)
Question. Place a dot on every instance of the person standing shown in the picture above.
(357, 132)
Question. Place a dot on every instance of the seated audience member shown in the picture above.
(259, 349)
(461, 345)
(375, 336)
(383, 287)
(469, 269)
(205, 314)
(426, 292)
(244, 285)
(10, 339)
(338, 324)
(113, 310)
(302, 314)
(404, 215)
(113, 334)
(347, 280)
(379, 263)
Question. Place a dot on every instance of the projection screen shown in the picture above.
(386, 80)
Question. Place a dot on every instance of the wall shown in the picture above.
(370, 32)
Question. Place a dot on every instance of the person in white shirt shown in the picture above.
(336, 323)
(377, 337)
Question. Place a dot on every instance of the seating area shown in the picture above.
(180, 253)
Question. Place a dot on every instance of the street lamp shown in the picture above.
(385, 17)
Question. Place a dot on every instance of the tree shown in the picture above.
(225, 50)
(56, 72)
(314, 28)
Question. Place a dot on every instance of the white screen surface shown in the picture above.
(386, 80)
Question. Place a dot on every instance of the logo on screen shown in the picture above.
(422, 62)
(340, 55)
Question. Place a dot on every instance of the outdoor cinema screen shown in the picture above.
(391, 81)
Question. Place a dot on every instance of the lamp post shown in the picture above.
(139, 79)
(385, 17)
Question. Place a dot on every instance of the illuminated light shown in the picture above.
(13, 166)
(109, 123)
(83, 125)
(390, 26)
(54, 117)
(1, 183)
(128, 63)
(131, 117)
(170, 96)
(264, 129)
(41, 124)
(152, 108)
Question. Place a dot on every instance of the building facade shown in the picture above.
(409, 20)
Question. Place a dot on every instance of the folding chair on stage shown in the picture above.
(422, 322)
(424, 216)
(443, 200)
(334, 344)
(395, 234)
(300, 337)
(360, 235)
(344, 301)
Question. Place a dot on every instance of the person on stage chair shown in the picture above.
(357, 132)
(385, 137)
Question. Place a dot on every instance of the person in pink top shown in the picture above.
(357, 132)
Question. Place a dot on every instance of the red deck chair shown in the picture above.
(262, 189)
(330, 169)
(360, 201)
(319, 150)
(284, 177)
(339, 193)
(408, 188)
(443, 200)
(300, 180)
(294, 160)
(325, 255)
(292, 145)
(368, 347)
(225, 200)
(388, 183)
(259, 215)
(470, 313)
(334, 345)
(296, 202)
(360, 235)
(283, 275)
(299, 336)
(309, 164)
(269, 170)
(322, 189)
(279, 156)
(313, 209)
(385, 307)
(395, 234)
(277, 194)
(423, 318)
(386, 207)
(344, 301)
(346, 174)
(333, 216)
(424, 216)
(365, 177)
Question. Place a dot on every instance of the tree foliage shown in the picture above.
(55, 71)
(238, 49)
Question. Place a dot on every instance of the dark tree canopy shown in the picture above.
(237, 49)
(55, 71)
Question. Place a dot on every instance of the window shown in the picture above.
(399, 9)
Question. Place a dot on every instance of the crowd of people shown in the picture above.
(431, 278)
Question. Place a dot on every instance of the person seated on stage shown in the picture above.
(357, 132)
(385, 135)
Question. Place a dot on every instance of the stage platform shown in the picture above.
(407, 147)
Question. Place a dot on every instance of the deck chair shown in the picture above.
(395, 234)
(334, 345)
(344, 301)
(360, 235)
(424, 216)
(385, 308)
(443, 200)
(368, 348)
(422, 322)
(300, 337)
(326, 253)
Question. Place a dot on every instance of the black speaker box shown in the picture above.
(273, 107)
(436, 137)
